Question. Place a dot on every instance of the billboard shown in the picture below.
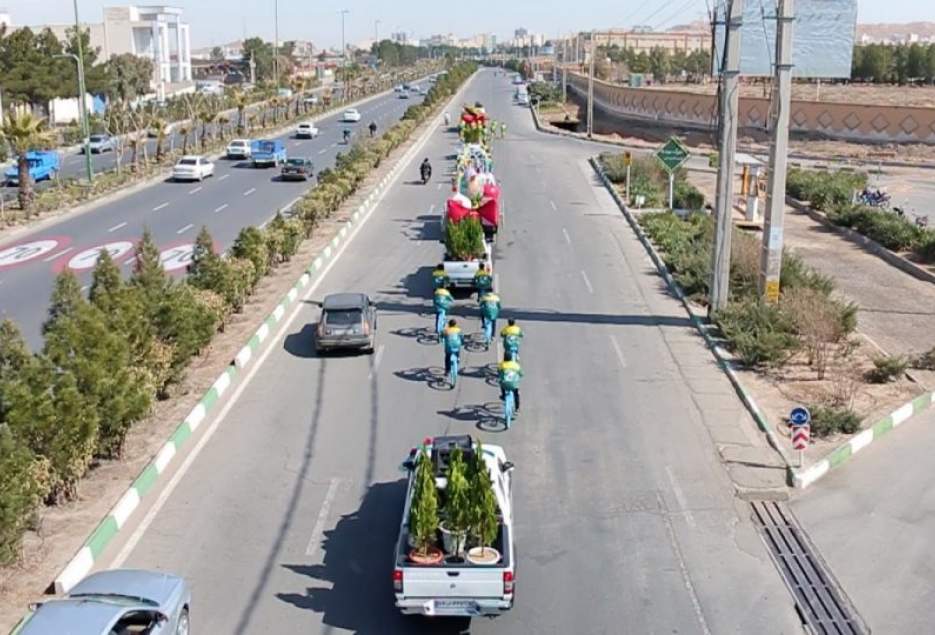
(822, 37)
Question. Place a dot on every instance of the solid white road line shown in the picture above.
(221, 208)
(118, 226)
(376, 362)
(567, 237)
(223, 176)
(620, 357)
(552, 203)
(587, 282)
(319, 527)
(54, 256)
(161, 206)
(680, 497)
(184, 229)
(196, 190)
(250, 191)
(323, 150)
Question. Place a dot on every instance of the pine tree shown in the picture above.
(22, 487)
(106, 283)
(457, 494)
(66, 298)
(250, 244)
(483, 516)
(423, 514)
(14, 358)
(148, 273)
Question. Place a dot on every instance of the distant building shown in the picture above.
(520, 33)
(5, 19)
(643, 41)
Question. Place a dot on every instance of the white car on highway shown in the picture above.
(351, 114)
(239, 149)
(192, 168)
(306, 130)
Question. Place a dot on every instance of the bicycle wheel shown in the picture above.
(453, 374)
(508, 409)
(488, 333)
(440, 323)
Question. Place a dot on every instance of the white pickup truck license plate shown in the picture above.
(460, 605)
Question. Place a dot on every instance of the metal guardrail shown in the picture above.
(820, 601)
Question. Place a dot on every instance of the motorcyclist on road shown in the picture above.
(483, 281)
(502, 130)
(442, 301)
(439, 277)
(454, 340)
(509, 374)
(490, 310)
(347, 135)
(511, 336)
(447, 119)
(373, 128)
(425, 170)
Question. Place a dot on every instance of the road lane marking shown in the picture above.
(185, 229)
(587, 282)
(223, 176)
(221, 208)
(161, 206)
(683, 569)
(439, 186)
(376, 362)
(56, 255)
(130, 261)
(432, 208)
(620, 357)
(250, 191)
(196, 190)
(567, 237)
(118, 226)
(85, 288)
(552, 203)
(323, 150)
(319, 527)
(679, 494)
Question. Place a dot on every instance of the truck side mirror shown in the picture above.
(507, 466)
(408, 465)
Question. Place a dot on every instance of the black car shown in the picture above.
(348, 321)
(297, 169)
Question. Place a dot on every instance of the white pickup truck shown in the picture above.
(461, 272)
(455, 587)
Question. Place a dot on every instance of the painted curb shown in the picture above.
(842, 454)
(83, 561)
(720, 353)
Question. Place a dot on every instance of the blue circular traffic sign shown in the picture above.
(800, 416)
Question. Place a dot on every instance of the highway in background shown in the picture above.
(237, 196)
(626, 522)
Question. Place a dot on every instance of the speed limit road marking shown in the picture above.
(178, 257)
(25, 252)
(87, 258)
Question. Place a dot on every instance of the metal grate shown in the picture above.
(821, 602)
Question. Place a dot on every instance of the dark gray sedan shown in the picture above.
(297, 169)
(115, 602)
(348, 321)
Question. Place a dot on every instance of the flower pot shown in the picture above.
(433, 555)
(483, 555)
(453, 541)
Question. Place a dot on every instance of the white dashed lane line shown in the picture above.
(56, 255)
(552, 203)
(587, 282)
(159, 207)
(567, 237)
(223, 176)
(250, 191)
(323, 150)
(196, 190)
(221, 208)
(184, 229)
(118, 226)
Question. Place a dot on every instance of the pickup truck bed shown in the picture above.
(461, 272)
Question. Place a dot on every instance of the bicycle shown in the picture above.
(488, 332)
(508, 408)
(511, 348)
(440, 322)
(453, 372)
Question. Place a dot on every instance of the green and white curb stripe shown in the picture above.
(83, 561)
(840, 455)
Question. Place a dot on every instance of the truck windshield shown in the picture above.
(267, 146)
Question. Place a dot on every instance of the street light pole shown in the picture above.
(276, 42)
(343, 56)
(591, 88)
(83, 108)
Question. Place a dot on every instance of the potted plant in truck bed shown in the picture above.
(464, 240)
(423, 513)
(484, 521)
(457, 508)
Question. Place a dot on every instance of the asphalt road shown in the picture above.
(884, 559)
(286, 520)
(235, 197)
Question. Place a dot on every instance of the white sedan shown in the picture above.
(351, 114)
(239, 149)
(192, 168)
(306, 130)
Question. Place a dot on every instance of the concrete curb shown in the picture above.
(135, 186)
(869, 244)
(840, 455)
(83, 561)
(722, 356)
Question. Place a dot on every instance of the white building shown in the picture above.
(156, 32)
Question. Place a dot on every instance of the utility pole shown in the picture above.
(344, 86)
(591, 88)
(276, 43)
(564, 64)
(771, 248)
(727, 145)
(83, 107)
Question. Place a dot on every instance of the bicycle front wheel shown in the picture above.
(508, 409)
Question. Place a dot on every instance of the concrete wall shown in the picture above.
(835, 120)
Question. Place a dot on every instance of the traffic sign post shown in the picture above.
(627, 161)
(799, 420)
(672, 155)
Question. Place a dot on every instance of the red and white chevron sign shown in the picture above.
(800, 436)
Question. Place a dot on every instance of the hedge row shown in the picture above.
(833, 194)
(649, 179)
(108, 357)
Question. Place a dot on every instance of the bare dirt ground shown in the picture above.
(60, 531)
(886, 94)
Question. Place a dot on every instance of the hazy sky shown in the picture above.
(219, 21)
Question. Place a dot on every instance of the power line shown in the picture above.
(674, 15)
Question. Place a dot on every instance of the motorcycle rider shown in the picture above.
(373, 128)
(425, 170)
(447, 119)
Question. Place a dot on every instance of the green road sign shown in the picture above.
(672, 155)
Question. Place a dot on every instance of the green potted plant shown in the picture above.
(464, 240)
(457, 508)
(423, 513)
(484, 521)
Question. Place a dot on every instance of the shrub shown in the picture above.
(892, 231)
(687, 196)
(828, 420)
(925, 246)
(758, 332)
(925, 361)
(796, 274)
(23, 484)
(464, 240)
(887, 368)
(824, 190)
(818, 323)
(251, 245)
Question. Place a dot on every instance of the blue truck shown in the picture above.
(265, 152)
(43, 164)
